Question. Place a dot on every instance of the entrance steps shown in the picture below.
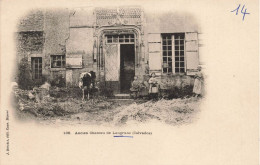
(122, 96)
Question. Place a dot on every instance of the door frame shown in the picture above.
(120, 61)
(100, 35)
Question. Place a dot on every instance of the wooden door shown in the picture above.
(112, 66)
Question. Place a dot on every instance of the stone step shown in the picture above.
(122, 96)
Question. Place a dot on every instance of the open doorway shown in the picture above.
(127, 66)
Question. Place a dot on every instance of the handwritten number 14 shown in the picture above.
(243, 11)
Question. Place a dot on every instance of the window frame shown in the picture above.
(173, 54)
(39, 69)
(115, 38)
(61, 60)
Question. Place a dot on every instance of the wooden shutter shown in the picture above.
(154, 47)
(74, 61)
(192, 57)
(112, 64)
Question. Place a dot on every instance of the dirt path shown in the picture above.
(101, 111)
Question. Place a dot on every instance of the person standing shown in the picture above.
(153, 86)
(198, 83)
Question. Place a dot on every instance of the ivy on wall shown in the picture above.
(31, 41)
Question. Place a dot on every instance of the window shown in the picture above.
(167, 54)
(173, 53)
(122, 38)
(58, 61)
(179, 53)
(36, 67)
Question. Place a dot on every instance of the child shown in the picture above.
(197, 88)
(135, 87)
(153, 86)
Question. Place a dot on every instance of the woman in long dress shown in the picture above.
(153, 86)
(198, 83)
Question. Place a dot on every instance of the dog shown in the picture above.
(87, 82)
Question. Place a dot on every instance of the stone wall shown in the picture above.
(71, 32)
(80, 42)
(56, 29)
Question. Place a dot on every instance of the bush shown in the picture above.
(25, 75)
(58, 81)
(106, 91)
(169, 90)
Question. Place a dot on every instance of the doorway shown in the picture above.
(127, 66)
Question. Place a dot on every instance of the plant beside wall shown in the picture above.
(24, 75)
(58, 81)
(169, 90)
(105, 90)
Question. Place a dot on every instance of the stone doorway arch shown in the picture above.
(108, 55)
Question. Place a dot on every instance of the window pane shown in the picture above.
(169, 59)
(176, 53)
(182, 70)
(176, 58)
(176, 47)
(164, 42)
(182, 53)
(182, 47)
(121, 40)
(170, 53)
(182, 42)
(121, 36)
(182, 58)
(169, 42)
(115, 39)
(164, 58)
(177, 64)
(169, 47)
(169, 70)
(164, 47)
(182, 64)
(177, 42)
(164, 70)
(164, 53)
(177, 70)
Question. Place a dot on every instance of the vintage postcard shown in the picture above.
(129, 82)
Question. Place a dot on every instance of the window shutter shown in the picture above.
(74, 61)
(173, 54)
(192, 57)
(154, 47)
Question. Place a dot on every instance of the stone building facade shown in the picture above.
(117, 43)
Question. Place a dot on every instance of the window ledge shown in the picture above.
(57, 69)
(174, 74)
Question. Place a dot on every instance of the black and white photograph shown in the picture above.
(110, 65)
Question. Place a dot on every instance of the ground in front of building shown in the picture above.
(65, 106)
